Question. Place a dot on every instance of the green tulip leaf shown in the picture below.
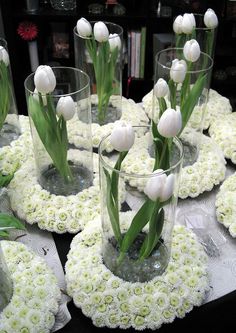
(10, 222)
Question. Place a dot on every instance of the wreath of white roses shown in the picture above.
(226, 204)
(36, 295)
(207, 171)
(131, 113)
(12, 156)
(216, 107)
(112, 302)
(223, 131)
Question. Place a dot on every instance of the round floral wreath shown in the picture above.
(12, 156)
(36, 295)
(207, 171)
(52, 212)
(217, 106)
(113, 302)
(226, 204)
(131, 113)
(223, 131)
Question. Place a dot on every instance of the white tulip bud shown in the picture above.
(168, 188)
(100, 31)
(114, 41)
(83, 27)
(161, 88)
(210, 19)
(188, 23)
(170, 123)
(44, 79)
(159, 186)
(192, 50)
(122, 136)
(177, 25)
(66, 108)
(4, 56)
(155, 184)
(178, 70)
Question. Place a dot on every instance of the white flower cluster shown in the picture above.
(36, 295)
(132, 113)
(217, 106)
(207, 171)
(113, 302)
(223, 131)
(12, 156)
(226, 204)
(52, 212)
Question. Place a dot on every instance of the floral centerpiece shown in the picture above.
(197, 26)
(9, 124)
(182, 78)
(98, 52)
(134, 247)
(54, 97)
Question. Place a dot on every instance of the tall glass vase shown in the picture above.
(130, 218)
(103, 64)
(62, 168)
(206, 37)
(187, 92)
(9, 121)
(6, 286)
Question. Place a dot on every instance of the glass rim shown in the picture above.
(202, 70)
(176, 140)
(60, 95)
(107, 23)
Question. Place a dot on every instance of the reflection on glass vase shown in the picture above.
(102, 61)
(6, 285)
(9, 121)
(136, 223)
(58, 101)
(183, 85)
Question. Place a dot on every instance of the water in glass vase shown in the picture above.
(130, 268)
(52, 181)
(8, 134)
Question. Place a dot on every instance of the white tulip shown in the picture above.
(100, 31)
(155, 184)
(122, 137)
(188, 23)
(177, 25)
(83, 27)
(170, 123)
(44, 79)
(192, 50)
(161, 88)
(178, 70)
(66, 108)
(4, 56)
(114, 41)
(210, 19)
(159, 186)
(168, 188)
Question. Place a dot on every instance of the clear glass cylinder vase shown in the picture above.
(187, 91)
(62, 167)
(6, 285)
(9, 120)
(136, 227)
(206, 37)
(102, 61)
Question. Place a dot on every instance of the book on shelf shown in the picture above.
(136, 52)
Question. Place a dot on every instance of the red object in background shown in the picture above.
(111, 2)
(27, 30)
